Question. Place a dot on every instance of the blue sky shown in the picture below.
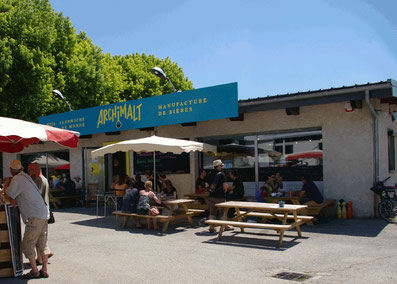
(268, 47)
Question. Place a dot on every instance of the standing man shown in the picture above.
(218, 188)
(24, 192)
(35, 173)
(235, 191)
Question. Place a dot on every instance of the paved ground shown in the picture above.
(97, 250)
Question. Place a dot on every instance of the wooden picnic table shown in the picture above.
(292, 199)
(264, 210)
(173, 204)
(59, 196)
(200, 197)
(173, 214)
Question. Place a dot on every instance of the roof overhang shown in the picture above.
(386, 90)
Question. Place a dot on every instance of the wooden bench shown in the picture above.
(314, 210)
(55, 199)
(280, 217)
(161, 218)
(280, 229)
(127, 216)
(196, 211)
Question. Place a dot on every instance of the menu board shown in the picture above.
(15, 234)
(167, 163)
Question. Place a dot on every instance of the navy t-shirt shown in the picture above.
(312, 192)
(219, 191)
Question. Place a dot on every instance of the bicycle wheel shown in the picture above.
(387, 211)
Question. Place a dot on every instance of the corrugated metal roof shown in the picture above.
(347, 88)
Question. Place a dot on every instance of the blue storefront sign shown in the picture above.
(183, 107)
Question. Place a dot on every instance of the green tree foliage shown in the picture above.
(40, 51)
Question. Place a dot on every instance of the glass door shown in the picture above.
(94, 173)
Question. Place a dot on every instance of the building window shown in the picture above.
(236, 152)
(392, 151)
(292, 154)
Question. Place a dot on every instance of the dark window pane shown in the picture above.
(392, 152)
(289, 149)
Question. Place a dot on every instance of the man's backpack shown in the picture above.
(214, 183)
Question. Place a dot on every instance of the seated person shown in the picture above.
(143, 207)
(115, 181)
(169, 189)
(150, 177)
(262, 194)
(69, 186)
(200, 182)
(161, 181)
(310, 194)
(130, 199)
(121, 185)
(140, 185)
(69, 190)
(79, 185)
(269, 184)
(277, 182)
(130, 182)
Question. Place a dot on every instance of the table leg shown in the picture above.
(126, 219)
(221, 231)
(169, 219)
(54, 203)
(284, 221)
(239, 218)
(188, 216)
(207, 203)
(97, 205)
(298, 228)
(105, 200)
(280, 240)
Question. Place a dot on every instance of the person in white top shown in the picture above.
(23, 191)
(35, 173)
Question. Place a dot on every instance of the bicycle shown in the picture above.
(387, 207)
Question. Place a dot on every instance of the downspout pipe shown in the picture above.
(376, 135)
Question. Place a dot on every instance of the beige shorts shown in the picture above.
(36, 234)
(215, 200)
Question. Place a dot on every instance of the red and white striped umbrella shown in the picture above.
(16, 134)
(304, 155)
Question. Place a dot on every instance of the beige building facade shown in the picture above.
(343, 118)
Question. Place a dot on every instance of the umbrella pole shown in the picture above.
(46, 165)
(154, 172)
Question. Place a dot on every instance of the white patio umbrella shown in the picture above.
(152, 144)
(48, 160)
